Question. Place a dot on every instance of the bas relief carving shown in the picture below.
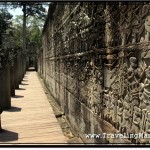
(128, 109)
(131, 102)
(116, 34)
(145, 91)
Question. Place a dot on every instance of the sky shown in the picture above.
(18, 11)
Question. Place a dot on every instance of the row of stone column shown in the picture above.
(11, 76)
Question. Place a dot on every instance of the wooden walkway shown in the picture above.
(31, 119)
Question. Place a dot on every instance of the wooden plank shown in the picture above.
(31, 118)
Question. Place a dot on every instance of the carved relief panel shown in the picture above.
(126, 84)
(101, 56)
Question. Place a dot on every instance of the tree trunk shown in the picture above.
(24, 27)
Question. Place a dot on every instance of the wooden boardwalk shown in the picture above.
(31, 119)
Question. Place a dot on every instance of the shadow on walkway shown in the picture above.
(17, 96)
(31, 119)
(8, 136)
(21, 89)
(14, 109)
(23, 84)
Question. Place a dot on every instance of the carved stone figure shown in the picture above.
(119, 113)
(147, 23)
(148, 123)
(88, 69)
(94, 104)
(111, 60)
(99, 77)
(114, 99)
(133, 82)
(109, 111)
(146, 127)
(122, 79)
(127, 117)
(145, 96)
(136, 124)
(108, 27)
(95, 101)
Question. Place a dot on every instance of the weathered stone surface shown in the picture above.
(95, 62)
(12, 80)
(5, 93)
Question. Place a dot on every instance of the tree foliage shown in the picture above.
(17, 30)
(34, 9)
(5, 22)
(33, 30)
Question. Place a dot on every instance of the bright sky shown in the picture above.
(17, 11)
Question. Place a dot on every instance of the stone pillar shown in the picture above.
(0, 124)
(1, 109)
(20, 68)
(16, 73)
(12, 81)
(23, 65)
(27, 63)
(5, 94)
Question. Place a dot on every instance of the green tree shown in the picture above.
(5, 22)
(35, 9)
(17, 30)
(33, 30)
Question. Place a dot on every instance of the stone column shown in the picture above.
(27, 63)
(20, 68)
(22, 65)
(1, 109)
(5, 94)
(12, 80)
(0, 124)
(16, 75)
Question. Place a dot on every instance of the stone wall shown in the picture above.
(95, 62)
